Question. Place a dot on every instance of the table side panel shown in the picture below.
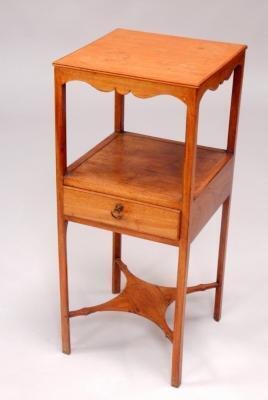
(223, 74)
(211, 198)
(107, 82)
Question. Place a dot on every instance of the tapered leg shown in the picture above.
(231, 145)
(187, 197)
(221, 259)
(64, 297)
(116, 273)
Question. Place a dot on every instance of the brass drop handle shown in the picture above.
(117, 211)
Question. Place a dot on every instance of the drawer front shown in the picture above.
(124, 214)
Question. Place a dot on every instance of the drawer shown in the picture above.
(126, 215)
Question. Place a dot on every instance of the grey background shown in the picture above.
(119, 355)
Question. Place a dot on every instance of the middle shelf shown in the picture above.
(143, 168)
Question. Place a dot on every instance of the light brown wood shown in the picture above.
(154, 57)
(148, 187)
(138, 297)
(191, 63)
(144, 168)
(124, 85)
(92, 206)
(125, 231)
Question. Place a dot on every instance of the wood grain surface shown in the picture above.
(151, 188)
(138, 217)
(154, 57)
(143, 168)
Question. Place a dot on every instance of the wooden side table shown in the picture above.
(152, 188)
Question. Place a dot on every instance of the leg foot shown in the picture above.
(179, 315)
(64, 298)
(221, 259)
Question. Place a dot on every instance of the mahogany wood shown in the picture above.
(143, 186)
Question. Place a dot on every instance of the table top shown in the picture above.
(153, 57)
